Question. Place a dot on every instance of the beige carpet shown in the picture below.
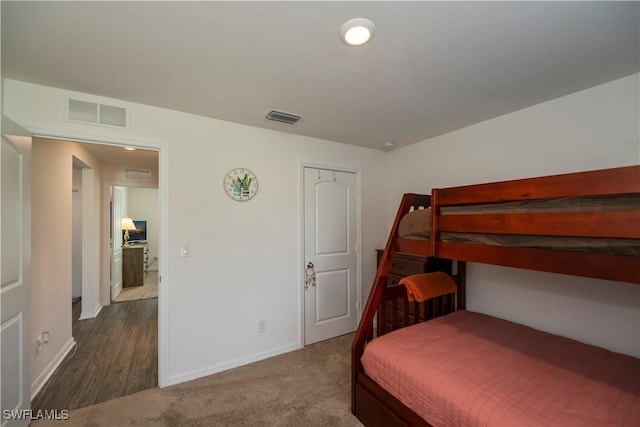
(308, 387)
(149, 289)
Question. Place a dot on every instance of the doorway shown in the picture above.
(134, 274)
(107, 172)
(76, 233)
(331, 258)
(85, 267)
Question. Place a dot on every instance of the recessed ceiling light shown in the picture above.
(357, 31)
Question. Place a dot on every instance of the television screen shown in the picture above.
(140, 235)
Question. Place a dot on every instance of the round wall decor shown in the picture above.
(240, 184)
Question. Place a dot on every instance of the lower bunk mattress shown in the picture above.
(471, 369)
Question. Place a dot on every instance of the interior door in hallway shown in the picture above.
(14, 288)
(117, 200)
(330, 249)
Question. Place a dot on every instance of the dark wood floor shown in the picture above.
(117, 355)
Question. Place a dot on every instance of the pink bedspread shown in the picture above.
(471, 369)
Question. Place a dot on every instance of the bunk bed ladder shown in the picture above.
(364, 332)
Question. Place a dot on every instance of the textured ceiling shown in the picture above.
(432, 67)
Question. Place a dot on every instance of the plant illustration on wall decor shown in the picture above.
(241, 186)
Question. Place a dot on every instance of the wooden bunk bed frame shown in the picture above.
(373, 405)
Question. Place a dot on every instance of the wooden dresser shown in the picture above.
(135, 262)
(405, 265)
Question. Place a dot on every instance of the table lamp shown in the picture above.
(127, 225)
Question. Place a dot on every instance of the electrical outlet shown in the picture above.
(45, 337)
(262, 325)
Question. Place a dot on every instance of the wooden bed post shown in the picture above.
(435, 213)
(462, 286)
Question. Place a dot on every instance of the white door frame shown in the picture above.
(163, 242)
(114, 244)
(301, 259)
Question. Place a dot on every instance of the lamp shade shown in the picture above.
(127, 224)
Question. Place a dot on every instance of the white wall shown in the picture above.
(245, 260)
(593, 129)
(143, 204)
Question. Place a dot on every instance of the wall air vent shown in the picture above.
(280, 116)
(88, 112)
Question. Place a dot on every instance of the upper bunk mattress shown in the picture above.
(417, 225)
(471, 369)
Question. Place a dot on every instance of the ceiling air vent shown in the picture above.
(94, 113)
(280, 116)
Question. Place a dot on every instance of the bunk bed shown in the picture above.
(583, 224)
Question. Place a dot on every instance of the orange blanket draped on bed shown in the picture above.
(424, 286)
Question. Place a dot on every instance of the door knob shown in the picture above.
(309, 276)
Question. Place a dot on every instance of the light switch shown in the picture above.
(185, 250)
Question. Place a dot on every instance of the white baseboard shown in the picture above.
(50, 369)
(91, 314)
(210, 370)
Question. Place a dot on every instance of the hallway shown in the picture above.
(116, 355)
